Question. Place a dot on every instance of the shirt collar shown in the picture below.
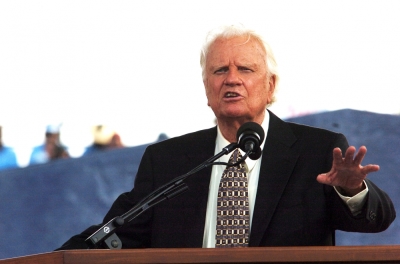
(221, 142)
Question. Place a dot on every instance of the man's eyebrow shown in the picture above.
(221, 67)
(242, 65)
(214, 68)
(251, 65)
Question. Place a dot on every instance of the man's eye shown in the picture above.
(244, 69)
(221, 70)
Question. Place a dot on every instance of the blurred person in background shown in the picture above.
(51, 149)
(104, 138)
(8, 159)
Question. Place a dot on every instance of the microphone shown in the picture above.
(249, 137)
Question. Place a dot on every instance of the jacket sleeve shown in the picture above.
(376, 215)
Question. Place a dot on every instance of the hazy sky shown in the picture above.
(135, 64)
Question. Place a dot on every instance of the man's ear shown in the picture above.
(272, 81)
(271, 92)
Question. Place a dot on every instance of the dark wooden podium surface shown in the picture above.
(333, 254)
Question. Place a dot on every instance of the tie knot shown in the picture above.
(236, 155)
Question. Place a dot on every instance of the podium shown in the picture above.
(325, 254)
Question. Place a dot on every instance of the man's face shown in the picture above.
(52, 138)
(236, 80)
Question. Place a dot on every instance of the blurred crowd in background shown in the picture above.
(104, 138)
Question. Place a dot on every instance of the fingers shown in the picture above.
(347, 171)
(323, 179)
(337, 155)
(370, 168)
(348, 157)
(360, 155)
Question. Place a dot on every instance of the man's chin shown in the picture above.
(235, 115)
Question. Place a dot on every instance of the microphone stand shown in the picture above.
(105, 236)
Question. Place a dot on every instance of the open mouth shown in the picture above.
(231, 95)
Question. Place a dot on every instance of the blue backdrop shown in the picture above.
(42, 206)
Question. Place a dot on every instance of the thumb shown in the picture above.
(324, 179)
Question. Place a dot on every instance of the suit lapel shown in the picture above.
(202, 149)
(278, 161)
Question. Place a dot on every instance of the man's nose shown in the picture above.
(233, 78)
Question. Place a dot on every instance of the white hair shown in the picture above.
(231, 31)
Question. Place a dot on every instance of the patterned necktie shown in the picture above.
(233, 215)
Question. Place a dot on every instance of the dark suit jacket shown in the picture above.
(291, 209)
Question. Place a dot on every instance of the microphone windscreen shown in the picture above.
(251, 127)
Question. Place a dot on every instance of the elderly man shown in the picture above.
(297, 193)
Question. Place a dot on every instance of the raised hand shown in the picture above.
(347, 173)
